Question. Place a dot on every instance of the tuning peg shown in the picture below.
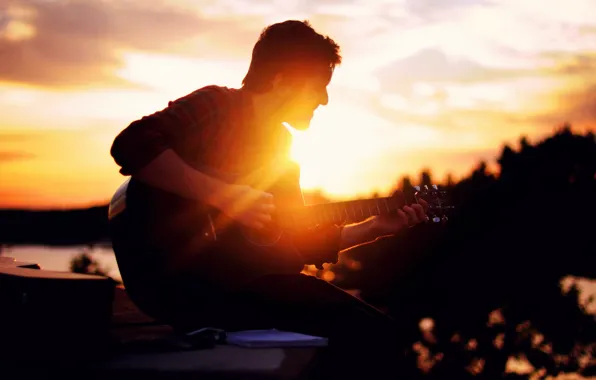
(417, 188)
(435, 187)
(436, 219)
(425, 187)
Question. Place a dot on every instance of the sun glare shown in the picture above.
(336, 156)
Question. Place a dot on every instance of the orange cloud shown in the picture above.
(583, 63)
(575, 106)
(79, 44)
(7, 156)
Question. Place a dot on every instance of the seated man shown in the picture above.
(240, 131)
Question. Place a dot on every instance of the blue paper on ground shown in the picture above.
(274, 338)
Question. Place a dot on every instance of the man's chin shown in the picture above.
(300, 124)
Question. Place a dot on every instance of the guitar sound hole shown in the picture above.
(264, 237)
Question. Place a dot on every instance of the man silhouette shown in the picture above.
(240, 130)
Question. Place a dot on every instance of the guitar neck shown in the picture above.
(342, 212)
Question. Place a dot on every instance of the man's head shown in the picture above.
(292, 65)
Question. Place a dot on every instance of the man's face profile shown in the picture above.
(303, 97)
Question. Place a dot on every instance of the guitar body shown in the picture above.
(159, 238)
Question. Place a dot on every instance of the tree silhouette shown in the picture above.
(511, 240)
(85, 264)
(426, 178)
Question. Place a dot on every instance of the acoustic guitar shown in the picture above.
(158, 236)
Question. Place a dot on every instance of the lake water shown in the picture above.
(58, 258)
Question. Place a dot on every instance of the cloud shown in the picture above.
(434, 9)
(584, 106)
(583, 63)
(14, 137)
(433, 65)
(79, 43)
(411, 12)
(487, 104)
(577, 107)
(9, 156)
(481, 125)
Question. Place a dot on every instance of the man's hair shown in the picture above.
(292, 48)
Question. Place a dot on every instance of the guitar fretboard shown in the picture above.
(341, 212)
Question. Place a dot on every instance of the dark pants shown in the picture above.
(362, 339)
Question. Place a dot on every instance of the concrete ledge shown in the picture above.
(220, 362)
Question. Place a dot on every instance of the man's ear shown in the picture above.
(277, 81)
(282, 85)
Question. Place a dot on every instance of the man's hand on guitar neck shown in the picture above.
(383, 225)
(407, 217)
(249, 207)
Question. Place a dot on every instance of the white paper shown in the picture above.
(274, 338)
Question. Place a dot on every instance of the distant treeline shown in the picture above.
(54, 227)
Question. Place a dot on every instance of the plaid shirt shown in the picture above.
(215, 127)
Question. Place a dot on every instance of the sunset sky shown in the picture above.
(424, 83)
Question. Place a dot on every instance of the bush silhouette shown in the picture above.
(512, 239)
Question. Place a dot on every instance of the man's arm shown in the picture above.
(146, 147)
(145, 150)
(353, 235)
(323, 244)
(169, 172)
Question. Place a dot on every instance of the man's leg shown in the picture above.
(362, 340)
(314, 306)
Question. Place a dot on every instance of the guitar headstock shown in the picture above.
(437, 199)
